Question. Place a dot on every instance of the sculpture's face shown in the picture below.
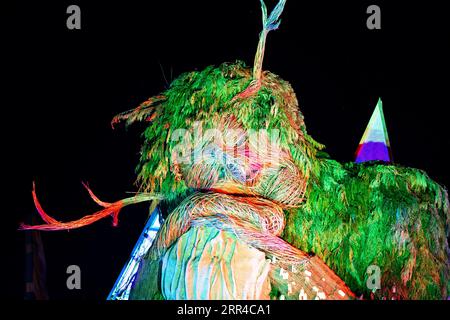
(219, 152)
(233, 160)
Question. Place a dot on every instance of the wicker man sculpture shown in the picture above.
(259, 211)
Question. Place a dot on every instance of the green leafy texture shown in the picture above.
(354, 215)
(357, 215)
(199, 97)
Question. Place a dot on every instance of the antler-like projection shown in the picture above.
(110, 209)
(269, 24)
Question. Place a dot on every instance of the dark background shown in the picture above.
(61, 88)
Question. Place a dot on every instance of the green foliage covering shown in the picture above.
(201, 96)
(354, 215)
(357, 215)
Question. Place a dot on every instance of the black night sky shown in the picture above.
(62, 87)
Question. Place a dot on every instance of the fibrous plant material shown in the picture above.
(319, 222)
(109, 209)
(396, 218)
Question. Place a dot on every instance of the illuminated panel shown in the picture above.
(122, 287)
